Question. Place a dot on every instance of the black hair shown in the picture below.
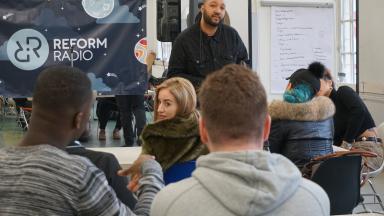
(320, 71)
(62, 88)
(317, 69)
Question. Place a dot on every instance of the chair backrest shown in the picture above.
(340, 178)
(380, 131)
(179, 171)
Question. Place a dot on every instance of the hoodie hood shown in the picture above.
(248, 183)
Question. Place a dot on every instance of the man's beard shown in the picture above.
(208, 20)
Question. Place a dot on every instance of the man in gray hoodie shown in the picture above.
(238, 177)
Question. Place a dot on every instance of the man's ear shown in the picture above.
(201, 9)
(78, 119)
(267, 127)
(203, 131)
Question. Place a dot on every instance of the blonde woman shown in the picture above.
(174, 135)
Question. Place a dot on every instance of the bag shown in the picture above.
(310, 168)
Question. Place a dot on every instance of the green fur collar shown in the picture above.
(173, 140)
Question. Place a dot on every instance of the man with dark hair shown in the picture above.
(206, 46)
(39, 178)
(238, 177)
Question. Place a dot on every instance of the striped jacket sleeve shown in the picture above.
(97, 198)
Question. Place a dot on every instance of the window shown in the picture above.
(347, 70)
(164, 50)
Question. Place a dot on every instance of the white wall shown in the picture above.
(375, 104)
(238, 13)
(371, 56)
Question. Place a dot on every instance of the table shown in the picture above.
(337, 148)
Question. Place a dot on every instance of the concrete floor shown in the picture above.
(11, 133)
(378, 184)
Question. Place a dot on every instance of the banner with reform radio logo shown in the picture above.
(104, 38)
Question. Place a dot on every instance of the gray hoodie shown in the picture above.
(242, 183)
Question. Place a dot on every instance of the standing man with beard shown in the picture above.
(206, 46)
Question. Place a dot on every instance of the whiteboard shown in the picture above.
(299, 36)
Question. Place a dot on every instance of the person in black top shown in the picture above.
(107, 163)
(352, 119)
(206, 46)
(354, 125)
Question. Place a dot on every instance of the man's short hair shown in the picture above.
(233, 104)
(62, 88)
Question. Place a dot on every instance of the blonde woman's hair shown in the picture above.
(184, 93)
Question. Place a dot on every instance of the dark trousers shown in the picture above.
(104, 109)
(129, 106)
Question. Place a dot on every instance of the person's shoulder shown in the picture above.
(345, 90)
(188, 32)
(174, 193)
(311, 187)
(77, 161)
(229, 30)
(179, 188)
(346, 93)
(314, 196)
(307, 194)
(71, 165)
(68, 160)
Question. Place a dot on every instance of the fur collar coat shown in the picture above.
(318, 109)
(173, 140)
(302, 131)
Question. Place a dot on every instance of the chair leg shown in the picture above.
(376, 195)
(98, 130)
(23, 120)
(376, 199)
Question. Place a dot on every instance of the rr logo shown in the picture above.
(21, 49)
(27, 49)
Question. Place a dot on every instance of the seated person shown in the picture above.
(302, 124)
(174, 136)
(238, 177)
(353, 123)
(107, 163)
(39, 178)
(104, 109)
